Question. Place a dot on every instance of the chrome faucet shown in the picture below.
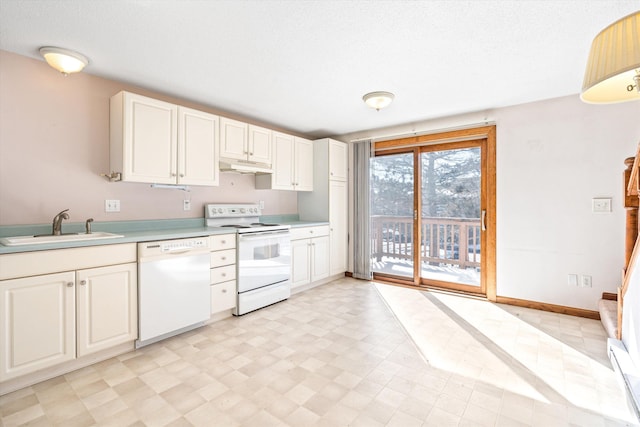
(57, 222)
(87, 225)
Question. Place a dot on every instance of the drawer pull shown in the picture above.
(224, 291)
(83, 282)
(224, 242)
(69, 284)
(223, 274)
(223, 258)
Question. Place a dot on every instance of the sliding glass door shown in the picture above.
(428, 215)
(450, 228)
(392, 224)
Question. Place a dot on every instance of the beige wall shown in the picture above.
(54, 144)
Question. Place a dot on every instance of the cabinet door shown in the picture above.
(150, 140)
(37, 323)
(303, 164)
(197, 148)
(233, 139)
(283, 161)
(338, 156)
(300, 259)
(107, 307)
(337, 227)
(259, 144)
(319, 258)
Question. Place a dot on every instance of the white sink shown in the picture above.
(37, 240)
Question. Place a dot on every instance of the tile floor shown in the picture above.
(349, 353)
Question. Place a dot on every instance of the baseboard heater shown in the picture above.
(626, 372)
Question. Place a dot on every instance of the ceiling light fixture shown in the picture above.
(378, 100)
(613, 70)
(64, 60)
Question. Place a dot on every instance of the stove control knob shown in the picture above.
(220, 210)
(243, 210)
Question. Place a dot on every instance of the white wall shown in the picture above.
(553, 157)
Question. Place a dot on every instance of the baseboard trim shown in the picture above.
(610, 296)
(571, 311)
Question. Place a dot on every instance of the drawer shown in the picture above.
(307, 232)
(222, 241)
(223, 296)
(223, 274)
(220, 258)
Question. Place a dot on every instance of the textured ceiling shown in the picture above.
(304, 65)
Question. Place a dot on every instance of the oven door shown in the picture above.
(264, 258)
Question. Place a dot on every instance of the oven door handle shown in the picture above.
(262, 234)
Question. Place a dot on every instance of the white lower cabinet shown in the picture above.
(59, 306)
(37, 325)
(106, 307)
(54, 318)
(223, 272)
(309, 255)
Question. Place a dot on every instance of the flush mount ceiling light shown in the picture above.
(613, 70)
(64, 60)
(378, 100)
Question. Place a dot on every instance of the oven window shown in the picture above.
(267, 251)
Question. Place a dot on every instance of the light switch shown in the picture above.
(601, 205)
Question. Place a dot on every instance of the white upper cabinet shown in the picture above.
(292, 164)
(233, 139)
(158, 142)
(259, 145)
(197, 148)
(338, 156)
(303, 164)
(241, 141)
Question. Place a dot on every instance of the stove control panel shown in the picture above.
(231, 211)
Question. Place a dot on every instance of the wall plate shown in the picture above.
(601, 205)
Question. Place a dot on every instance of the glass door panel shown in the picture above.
(392, 206)
(450, 217)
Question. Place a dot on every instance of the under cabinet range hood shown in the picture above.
(240, 166)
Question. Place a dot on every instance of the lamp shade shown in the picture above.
(64, 60)
(614, 61)
(378, 100)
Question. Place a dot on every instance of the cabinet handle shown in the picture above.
(173, 174)
(223, 274)
(69, 284)
(224, 242)
(83, 282)
(331, 173)
(251, 153)
(224, 291)
(224, 258)
(181, 175)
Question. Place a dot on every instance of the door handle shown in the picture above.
(484, 220)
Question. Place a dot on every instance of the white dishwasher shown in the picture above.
(173, 287)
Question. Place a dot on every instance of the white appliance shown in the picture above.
(173, 287)
(263, 255)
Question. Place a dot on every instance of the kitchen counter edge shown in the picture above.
(134, 236)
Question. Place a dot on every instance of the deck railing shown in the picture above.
(454, 241)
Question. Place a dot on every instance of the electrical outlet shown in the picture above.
(601, 205)
(585, 281)
(112, 205)
(261, 204)
(186, 205)
(572, 280)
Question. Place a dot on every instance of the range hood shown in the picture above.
(239, 166)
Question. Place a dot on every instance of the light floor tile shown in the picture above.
(348, 353)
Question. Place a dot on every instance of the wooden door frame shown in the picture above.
(488, 164)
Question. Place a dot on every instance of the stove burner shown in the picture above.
(235, 226)
(263, 224)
